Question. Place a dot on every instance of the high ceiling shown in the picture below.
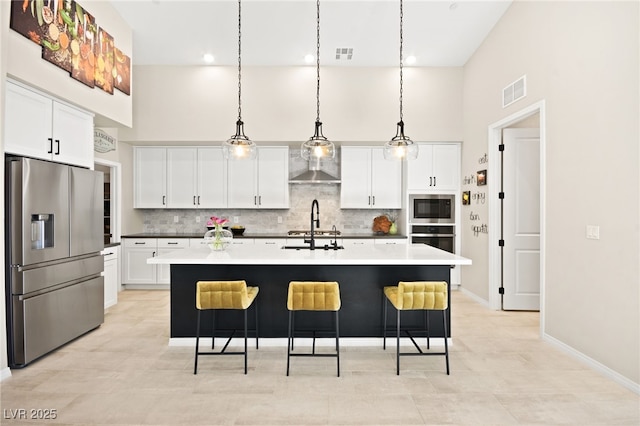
(280, 33)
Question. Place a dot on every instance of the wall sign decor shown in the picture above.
(104, 140)
(70, 39)
(481, 177)
(466, 198)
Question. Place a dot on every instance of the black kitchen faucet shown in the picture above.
(315, 223)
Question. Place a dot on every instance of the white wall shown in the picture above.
(24, 62)
(582, 58)
(175, 104)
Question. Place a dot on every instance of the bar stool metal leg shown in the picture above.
(195, 364)
(245, 341)
(289, 341)
(398, 344)
(385, 302)
(338, 342)
(446, 346)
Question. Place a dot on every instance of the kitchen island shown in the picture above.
(362, 272)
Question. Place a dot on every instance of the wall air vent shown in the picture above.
(515, 91)
(344, 53)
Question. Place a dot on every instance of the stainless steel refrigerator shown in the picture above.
(53, 230)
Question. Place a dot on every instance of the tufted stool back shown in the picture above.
(224, 295)
(415, 295)
(313, 296)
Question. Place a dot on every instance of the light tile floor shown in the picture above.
(501, 373)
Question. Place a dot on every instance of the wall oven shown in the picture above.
(431, 208)
(438, 236)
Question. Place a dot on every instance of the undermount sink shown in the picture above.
(324, 247)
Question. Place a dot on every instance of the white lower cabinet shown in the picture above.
(136, 272)
(242, 241)
(270, 242)
(111, 276)
(390, 241)
(167, 245)
(357, 242)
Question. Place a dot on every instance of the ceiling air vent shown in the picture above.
(515, 91)
(344, 53)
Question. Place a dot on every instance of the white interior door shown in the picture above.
(521, 219)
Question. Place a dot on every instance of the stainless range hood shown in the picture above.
(314, 175)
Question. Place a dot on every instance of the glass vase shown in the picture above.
(218, 239)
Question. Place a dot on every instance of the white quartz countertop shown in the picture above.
(381, 254)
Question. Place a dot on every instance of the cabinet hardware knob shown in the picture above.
(50, 146)
(163, 199)
(57, 146)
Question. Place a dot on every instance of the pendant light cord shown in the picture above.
(401, 42)
(318, 61)
(239, 61)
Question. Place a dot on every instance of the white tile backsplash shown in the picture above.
(266, 220)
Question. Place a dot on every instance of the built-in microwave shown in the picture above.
(432, 208)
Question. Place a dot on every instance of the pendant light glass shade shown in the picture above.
(318, 147)
(401, 147)
(238, 146)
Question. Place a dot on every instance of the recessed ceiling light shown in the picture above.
(410, 60)
(309, 59)
(207, 58)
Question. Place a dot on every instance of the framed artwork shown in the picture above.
(122, 79)
(105, 71)
(481, 177)
(83, 57)
(466, 198)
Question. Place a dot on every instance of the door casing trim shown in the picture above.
(493, 182)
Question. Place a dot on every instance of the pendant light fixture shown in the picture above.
(401, 147)
(318, 146)
(239, 146)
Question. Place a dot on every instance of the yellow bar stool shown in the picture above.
(417, 295)
(313, 296)
(216, 295)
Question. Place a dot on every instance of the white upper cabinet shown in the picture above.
(40, 127)
(194, 177)
(261, 182)
(436, 169)
(211, 178)
(368, 180)
(150, 177)
(182, 191)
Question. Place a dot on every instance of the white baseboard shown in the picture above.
(475, 297)
(307, 342)
(145, 286)
(5, 373)
(592, 363)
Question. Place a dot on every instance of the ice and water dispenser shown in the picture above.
(41, 231)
